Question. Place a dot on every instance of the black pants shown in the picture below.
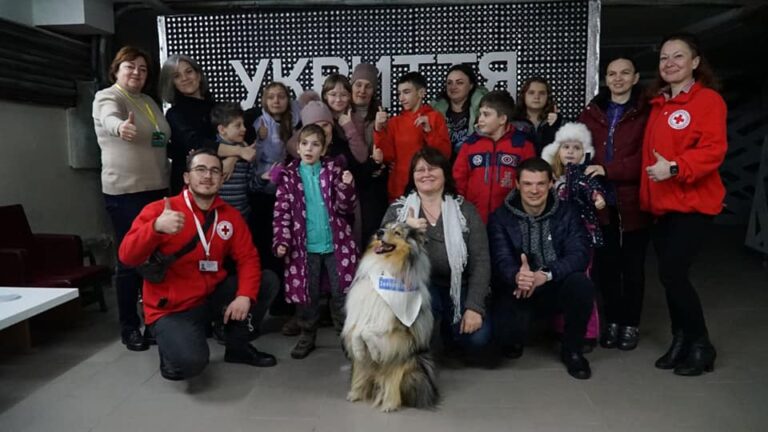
(619, 272)
(573, 296)
(677, 238)
(182, 336)
(122, 210)
(309, 314)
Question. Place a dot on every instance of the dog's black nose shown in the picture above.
(379, 233)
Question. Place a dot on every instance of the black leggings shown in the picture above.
(619, 272)
(677, 238)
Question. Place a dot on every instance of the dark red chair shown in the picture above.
(47, 260)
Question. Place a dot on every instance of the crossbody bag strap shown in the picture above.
(193, 242)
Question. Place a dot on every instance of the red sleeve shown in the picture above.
(142, 239)
(438, 136)
(247, 258)
(708, 153)
(461, 171)
(384, 140)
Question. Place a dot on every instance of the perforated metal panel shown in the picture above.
(505, 43)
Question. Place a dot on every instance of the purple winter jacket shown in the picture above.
(289, 226)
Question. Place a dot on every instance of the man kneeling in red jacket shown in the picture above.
(195, 288)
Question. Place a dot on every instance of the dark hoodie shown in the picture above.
(555, 239)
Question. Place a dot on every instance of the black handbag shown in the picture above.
(154, 269)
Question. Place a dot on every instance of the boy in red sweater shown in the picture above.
(486, 166)
(400, 137)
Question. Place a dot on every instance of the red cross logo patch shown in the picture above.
(679, 119)
(224, 229)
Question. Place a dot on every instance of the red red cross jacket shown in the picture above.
(185, 286)
(689, 129)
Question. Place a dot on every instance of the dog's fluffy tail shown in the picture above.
(419, 386)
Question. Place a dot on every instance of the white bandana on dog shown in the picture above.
(405, 301)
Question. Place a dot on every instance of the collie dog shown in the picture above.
(391, 362)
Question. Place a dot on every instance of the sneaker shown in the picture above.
(628, 338)
(134, 341)
(610, 336)
(304, 346)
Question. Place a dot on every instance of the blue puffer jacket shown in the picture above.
(561, 240)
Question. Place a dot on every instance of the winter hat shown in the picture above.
(573, 131)
(307, 96)
(365, 71)
(315, 111)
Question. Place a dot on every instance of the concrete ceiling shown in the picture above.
(733, 34)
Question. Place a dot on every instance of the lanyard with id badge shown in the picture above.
(158, 137)
(206, 265)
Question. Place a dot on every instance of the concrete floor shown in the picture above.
(83, 379)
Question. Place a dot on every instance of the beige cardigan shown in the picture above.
(129, 167)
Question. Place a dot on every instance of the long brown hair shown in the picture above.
(703, 74)
(285, 118)
(521, 110)
(330, 83)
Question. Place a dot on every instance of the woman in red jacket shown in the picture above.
(684, 145)
(616, 118)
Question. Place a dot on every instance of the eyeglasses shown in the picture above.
(426, 169)
(202, 171)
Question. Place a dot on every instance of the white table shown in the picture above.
(31, 302)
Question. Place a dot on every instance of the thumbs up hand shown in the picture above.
(377, 155)
(659, 171)
(345, 117)
(552, 117)
(414, 222)
(169, 221)
(248, 153)
(127, 129)
(263, 131)
(524, 279)
(423, 121)
(381, 119)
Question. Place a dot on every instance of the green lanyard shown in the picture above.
(147, 110)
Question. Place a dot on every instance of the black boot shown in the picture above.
(676, 353)
(701, 358)
(610, 337)
(577, 365)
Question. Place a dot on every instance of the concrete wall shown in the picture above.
(36, 173)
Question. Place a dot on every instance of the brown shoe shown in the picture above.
(304, 346)
(291, 327)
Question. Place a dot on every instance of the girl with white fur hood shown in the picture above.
(569, 156)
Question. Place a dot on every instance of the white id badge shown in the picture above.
(209, 266)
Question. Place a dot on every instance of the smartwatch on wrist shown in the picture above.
(673, 168)
(547, 272)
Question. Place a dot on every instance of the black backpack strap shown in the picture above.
(193, 242)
